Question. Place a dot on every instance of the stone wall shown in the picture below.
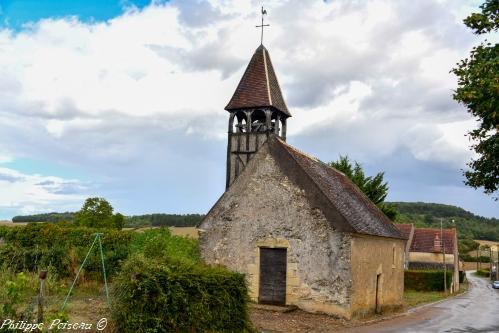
(436, 257)
(373, 256)
(263, 208)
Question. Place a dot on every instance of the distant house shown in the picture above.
(425, 250)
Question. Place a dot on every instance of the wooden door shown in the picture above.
(377, 307)
(272, 276)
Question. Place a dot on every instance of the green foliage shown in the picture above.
(98, 213)
(487, 20)
(61, 246)
(478, 90)
(159, 243)
(118, 221)
(468, 225)
(174, 295)
(469, 258)
(47, 217)
(426, 280)
(483, 272)
(18, 296)
(373, 187)
(12, 294)
(156, 220)
(159, 220)
(467, 245)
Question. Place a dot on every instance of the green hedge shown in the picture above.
(61, 246)
(483, 272)
(468, 258)
(426, 280)
(172, 295)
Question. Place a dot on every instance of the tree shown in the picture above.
(98, 213)
(478, 91)
(118, 221)
(373, 187)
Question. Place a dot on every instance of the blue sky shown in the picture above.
(124, 99)
(15, 13)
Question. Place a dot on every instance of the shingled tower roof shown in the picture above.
(258, 86)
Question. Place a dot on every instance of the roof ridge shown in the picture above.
(363, 216)
(438, 229)
(266, 75)
(306, 172)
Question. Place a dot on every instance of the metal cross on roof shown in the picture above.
(264, 12)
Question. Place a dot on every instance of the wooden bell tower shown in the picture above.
(257, 110)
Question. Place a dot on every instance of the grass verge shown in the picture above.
(413, 298)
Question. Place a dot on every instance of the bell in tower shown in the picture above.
(257, 110)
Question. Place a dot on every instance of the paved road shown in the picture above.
(475, 312)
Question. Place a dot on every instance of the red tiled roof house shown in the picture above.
(425, 250)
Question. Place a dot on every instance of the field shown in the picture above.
(185, 232)
(10, 224)
(191, 232)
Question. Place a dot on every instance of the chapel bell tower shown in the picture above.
(257, 110)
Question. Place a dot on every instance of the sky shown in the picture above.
(125, 99)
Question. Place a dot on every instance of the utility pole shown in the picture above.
(477, 249)
(479, 258)
(491, 262)
(443, 252)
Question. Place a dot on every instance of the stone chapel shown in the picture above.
(301, 231)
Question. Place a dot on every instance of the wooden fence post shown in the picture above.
(42, 276)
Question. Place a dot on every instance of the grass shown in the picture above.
(482, 273)
(413, 298)
(86, 304)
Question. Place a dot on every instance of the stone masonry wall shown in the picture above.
(263, 208)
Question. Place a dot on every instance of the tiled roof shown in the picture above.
(428, 240)
(258, 86)
(405, 229)
(358, 211)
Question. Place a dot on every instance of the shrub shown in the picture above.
(483, 272)
(426, 280)
(177, 295)
(62, 246)
(159, 243)
(468, 258)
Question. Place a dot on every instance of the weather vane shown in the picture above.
(264, 12)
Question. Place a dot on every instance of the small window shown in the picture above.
(393, 257)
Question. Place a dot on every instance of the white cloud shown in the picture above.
(150, 85)
(35, 193)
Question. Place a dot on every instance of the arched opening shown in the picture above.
(239, 122)
(283, 128)
(275, 123)
(258, 121)
(231, 123)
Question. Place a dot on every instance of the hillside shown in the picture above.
(171, 220)
(469, 225)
